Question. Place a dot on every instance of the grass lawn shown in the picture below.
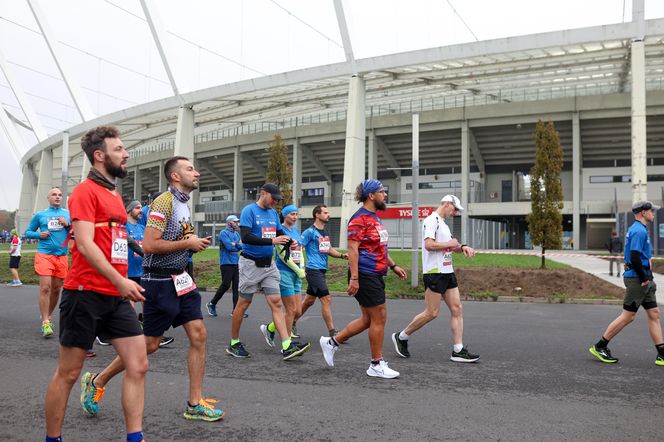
(206, 265)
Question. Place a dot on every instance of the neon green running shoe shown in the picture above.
(603, 354)
(47, 329)
(204, 411)
(90, 395)
(659, 361)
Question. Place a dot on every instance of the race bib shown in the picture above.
(447, 259)
(382, 231)
(324, 244)
(119, 248)
(184, 283)
(54, 224)
(268, 232)
(296, 255)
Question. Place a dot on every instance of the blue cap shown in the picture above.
(289, 209)
(232, 218)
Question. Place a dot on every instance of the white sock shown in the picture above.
(458, 348)
(403, 336)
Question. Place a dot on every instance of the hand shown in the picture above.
(401, 273)
(468, 251)
(453, 243)
(283, 239)
(198, 244)
(63, 221)
(344, 256)
(131, 290)
(645, 283)
(44, 235)
(353, 287)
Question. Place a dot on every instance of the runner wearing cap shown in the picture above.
(640, 289)
(229, 256)
(51, 227)
(439, 280)
(291, 272)
(316, 243)
(368, 262)
(260, 230)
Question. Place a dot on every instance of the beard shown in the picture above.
(380, 206)
(113, 170)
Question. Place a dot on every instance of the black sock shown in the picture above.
(375, 361)
(602, 343)
(660, 349)
(192, 406)
(334, 342)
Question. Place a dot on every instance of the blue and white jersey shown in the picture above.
(262, 223)
(317, 246)
(637, 240)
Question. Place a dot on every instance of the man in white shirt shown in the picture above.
(439, 280)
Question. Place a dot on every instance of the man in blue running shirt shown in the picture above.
(316, 243)
(640, 287)
(230, 246)
(260, 230)
(51, 227)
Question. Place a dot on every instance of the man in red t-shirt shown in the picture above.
(368, 264)
(96, 295)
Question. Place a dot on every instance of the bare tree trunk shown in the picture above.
(543, 266)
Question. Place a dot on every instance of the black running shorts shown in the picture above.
(439, 282)
(316, 283)
(163, 308)
(14, 262)
(85, 315)
(372, 290)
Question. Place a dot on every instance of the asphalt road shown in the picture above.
(535, 380)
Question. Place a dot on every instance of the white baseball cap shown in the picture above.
(454, 200)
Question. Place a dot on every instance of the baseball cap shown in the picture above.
(232, 218)
(643, 205)
(454, 200)
(273, 190)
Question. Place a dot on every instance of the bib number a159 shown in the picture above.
(119, 247)
(324, 244)
(184, 283)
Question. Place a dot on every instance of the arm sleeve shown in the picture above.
(250, 238)
(133, 245)
(31, 231)
(289, 262)
(637, 265)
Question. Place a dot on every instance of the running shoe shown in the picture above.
(102, 343)
(268, 335)
(237, 350)
(203, 411)
(400, 345)
(463, 356)
(659, 361)
(294, 333)
(328, 349)
(165, 341)
(382, 370)
(212, 309)
(90, 353)
(295, 349)
(47, 329)
(603, 354)
(90, 395)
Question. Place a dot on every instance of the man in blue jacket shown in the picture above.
(51, 227)
(229, 256)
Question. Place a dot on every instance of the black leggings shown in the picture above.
(230, 274)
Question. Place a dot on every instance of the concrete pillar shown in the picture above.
(26, 203)
(162, 178)
(64, 187)
(238, 181)
(297, 173)
(355, 153)
(85, 166)
(138, 184)
(465, 178)
(372, 156)
(184, 143)
(576, 181)
(639, 148)
(45, 179)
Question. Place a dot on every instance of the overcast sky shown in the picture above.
(108, 46)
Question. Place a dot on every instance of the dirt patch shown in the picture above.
(535, 283)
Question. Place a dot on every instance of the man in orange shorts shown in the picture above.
(51, 227)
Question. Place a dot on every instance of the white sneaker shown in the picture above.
(328, 350)
(381, 370)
